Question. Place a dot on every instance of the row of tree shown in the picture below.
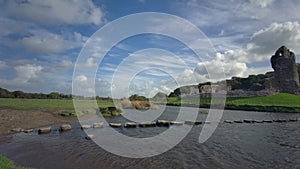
(20, 94)
(55, 95)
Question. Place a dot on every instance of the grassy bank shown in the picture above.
(282, 102)
(64, 106)
(45, 104)
(5, 163)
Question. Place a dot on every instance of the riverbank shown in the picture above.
(274, 109)
(29, 119)
(33, 113)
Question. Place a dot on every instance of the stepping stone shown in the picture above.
(293, 120)
(44, 130)
(267, 121)
(228, 121)
(89, 136)
(258, 121)
(130, 125)
(65, 127)
(17, 130)
(280, 120)
(176, 123)
(85, 126)
(238, 121)
(98, 125)
(194, 122)
(28, 131)
(189, 122)
(248, 121)
(163, 123)
(115, 125)
(147, 124)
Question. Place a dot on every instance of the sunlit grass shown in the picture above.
(282, 99)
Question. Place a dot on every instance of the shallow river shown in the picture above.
(257, 145)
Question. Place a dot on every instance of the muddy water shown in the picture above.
(258, 145)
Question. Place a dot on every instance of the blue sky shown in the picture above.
(41, 41)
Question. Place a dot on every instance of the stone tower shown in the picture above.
(286, 77)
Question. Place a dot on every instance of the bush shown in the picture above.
(110, 111)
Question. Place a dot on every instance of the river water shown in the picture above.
(257, 145)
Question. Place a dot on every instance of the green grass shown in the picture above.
(267, 103)
(64, 106)
(5, 163)
(282, 99)
(192, 101)
(282, 102)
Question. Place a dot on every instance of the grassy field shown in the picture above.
(277, 103)
(45, 104)
(282, 102)
(282, 99)
(64, 106)
(193, 101)
(5, 163)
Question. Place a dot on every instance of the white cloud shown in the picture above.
(186, 78)
(38, 76)
(60, 67)
(81, 78)
(2, 64)
(90, 62)
(265, 42)
(262, 3)
(218, 69)
(52, 43)
(42, 41)
(55, 11)
(237, 16)
(26, 72)
(257, 70)
(165, 89)
(83, 86)
(9, 26)
(65, 63)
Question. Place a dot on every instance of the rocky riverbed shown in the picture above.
(29, 119)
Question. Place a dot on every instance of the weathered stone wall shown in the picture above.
(286, 76)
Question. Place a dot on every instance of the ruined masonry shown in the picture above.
(286, 71)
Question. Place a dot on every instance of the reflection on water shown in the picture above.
(258, 145)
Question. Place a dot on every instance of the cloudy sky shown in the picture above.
(41, 42)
